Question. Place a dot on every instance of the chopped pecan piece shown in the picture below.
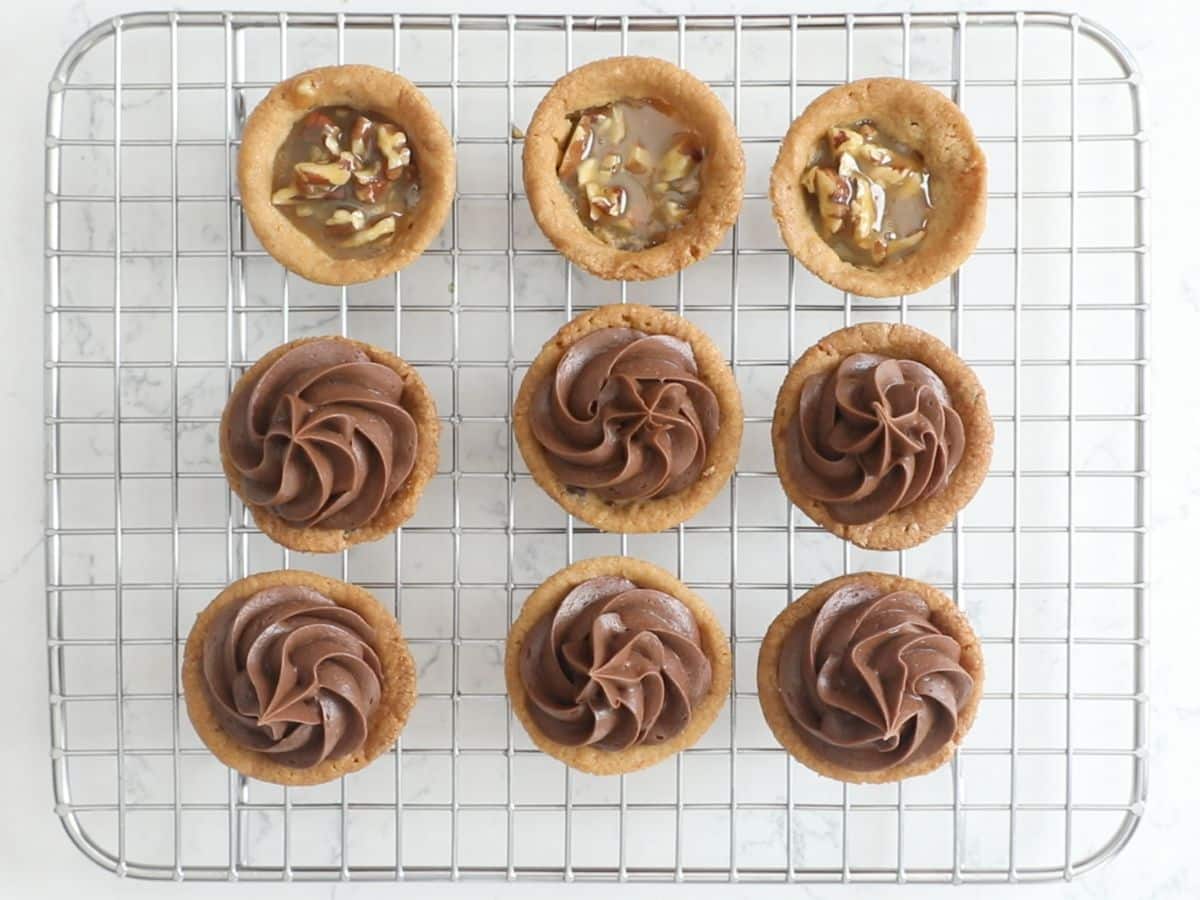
(370, 184)
(606, 201)
(393, 144)
(875, 154)
(360, 137)
(833, 193)
(864, 210)
(900, 245)
(578, 147)
(346, 221)
(372, 191)
(611, 163)
(589, 172)
(318, 179)
(681, 159)
(673, 212)
(366, 174)
(326, 130)
(383, 228)
(286, 196)
(640, 161)
(843, 140)
(863, 206)
(610, 124)
(318, 121)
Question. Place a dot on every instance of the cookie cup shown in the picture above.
(545, 600)
(399, 683)
(633, 77)
(924, 119)
(368, 89)
(913, 524)
(637, 516)
(417, 399)
(947, 617)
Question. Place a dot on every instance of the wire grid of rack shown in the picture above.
(142, 531)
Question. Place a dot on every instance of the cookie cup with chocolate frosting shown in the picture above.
(911, 523)
(926, 121)
(713, 447)
(392, 689)
(606, 81)
(366, 89)
(306, 419)
(656, 745)
(946, 620)
(705, 431)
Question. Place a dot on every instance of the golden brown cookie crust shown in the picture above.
(639, 516)
(926, 120)
(419, 403)
(363, 88)
(948, 618)
(633, 77)
(399, 687)
(714, 644)
(917, 522)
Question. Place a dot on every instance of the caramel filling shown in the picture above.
(344, 177)
(634, 170)
(870, 194)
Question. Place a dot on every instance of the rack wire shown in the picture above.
(157, 297)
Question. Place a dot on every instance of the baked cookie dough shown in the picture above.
(300, 493)
(700, 216)
(922, 120)
(393, 170)
(305, 740)
(663, 430)
(904, 724)
(662, 628)
(914, 520)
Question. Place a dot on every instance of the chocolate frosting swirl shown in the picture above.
(322, 438)
(626, 415)
(871, 681)
(873, 436)
(614, 665)
(292, 674)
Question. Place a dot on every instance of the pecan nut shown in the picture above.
(360, 137)
(346, 221)
(385, 227)
(393, 144)
(318, 179)
(578, 147)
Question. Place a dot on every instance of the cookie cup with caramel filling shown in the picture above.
(599, 85)
(418, 140)
(705, 633)
(937, 132)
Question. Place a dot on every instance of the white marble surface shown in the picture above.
(36, 859)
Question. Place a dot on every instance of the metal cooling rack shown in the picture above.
(157, 296)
